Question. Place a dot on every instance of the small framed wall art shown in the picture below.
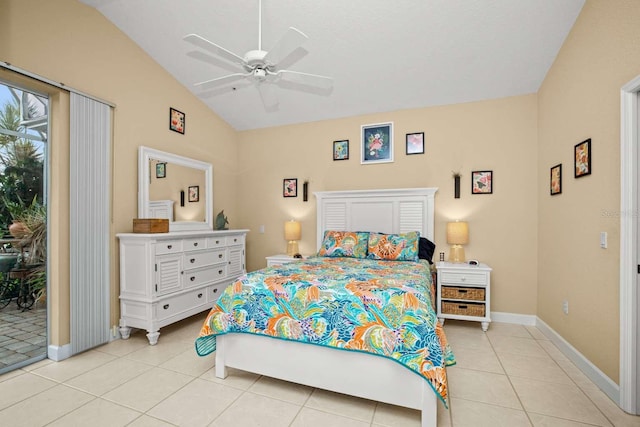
(555, 180)
(161, 170)
(482, 182)
(582, 159)
(290, 187)
(341, 150)
(176, 120)
(194, 193)
(415, 143)
(377, 143)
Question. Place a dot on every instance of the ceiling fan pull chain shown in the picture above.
(259, 24)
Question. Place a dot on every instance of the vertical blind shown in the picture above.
(89, 222)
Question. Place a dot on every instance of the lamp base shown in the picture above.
(292, 247)
(456, 253)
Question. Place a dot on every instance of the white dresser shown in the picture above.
(166, 277)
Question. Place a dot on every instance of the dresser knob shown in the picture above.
(192, 278)
(220, 271)
(169, 246)
(192, 260)
(217, 241)
(235, 240)
(199, 295)
(219, 255)
(195, 244)
(215, 290)
(166, 306)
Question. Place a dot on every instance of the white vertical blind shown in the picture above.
(89, 222)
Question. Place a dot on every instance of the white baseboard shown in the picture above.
(598, 377)
(517, 319)
(59, 353)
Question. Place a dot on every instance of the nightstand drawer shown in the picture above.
(463, 309)
(470, 294)
(463, 278)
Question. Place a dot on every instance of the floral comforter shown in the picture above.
(373, 306)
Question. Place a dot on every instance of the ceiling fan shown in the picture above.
(260, 66)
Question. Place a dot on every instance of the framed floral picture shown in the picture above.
(482, 182)
(582, 159)
(161, 170)
(415, 143)
(176, 120)
(555, 180)
(290, 187)
(194, 193)
(377, 143)
(341, 150)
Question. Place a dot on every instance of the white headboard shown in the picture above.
(387, 211)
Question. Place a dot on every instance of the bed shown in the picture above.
(417, 384)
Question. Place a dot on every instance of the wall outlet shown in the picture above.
(565, 307)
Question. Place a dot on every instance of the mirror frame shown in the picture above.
(145, 154)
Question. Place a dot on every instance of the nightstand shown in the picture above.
(464, 292)
(280, 259)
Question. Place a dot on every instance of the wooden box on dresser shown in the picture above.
(464, 292)
(167, 277)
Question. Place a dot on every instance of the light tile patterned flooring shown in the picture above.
(23, 334)
(511, 376)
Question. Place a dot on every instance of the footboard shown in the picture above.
(348, 372)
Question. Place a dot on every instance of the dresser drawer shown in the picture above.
(235, 240)
(216, 242)
(168, 247)
(463, 278)
(214, 292)
(181, 303)
(201, 259)
(469, 294)
(194, 244)
(199, 277)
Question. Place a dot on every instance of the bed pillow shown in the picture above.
(344, 244)
(426, 249)
(394, 247)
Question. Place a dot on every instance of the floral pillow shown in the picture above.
(394, 247)
(344, 244)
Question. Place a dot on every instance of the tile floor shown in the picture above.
(23, 334)
(511, 376)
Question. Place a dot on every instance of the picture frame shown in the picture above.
(290, 187)
(176, 120)
(194, 193)
(161, 170)
(582, 159)
(377, 143)
(482, 182)
(555, 180)
(341, 150)
(415, 143)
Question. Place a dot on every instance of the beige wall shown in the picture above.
(66, 41)
(498, 135)
(580, 99)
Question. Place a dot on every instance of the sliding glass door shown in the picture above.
(24, 124)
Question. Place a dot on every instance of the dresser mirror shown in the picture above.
(176, 188)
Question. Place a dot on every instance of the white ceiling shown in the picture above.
(383, 55)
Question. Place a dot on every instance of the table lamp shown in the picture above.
(292, 233)
(457, 235)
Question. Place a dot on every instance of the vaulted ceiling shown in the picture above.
(382, 55)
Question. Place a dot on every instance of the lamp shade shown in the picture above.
(457, 233)
(292, 230)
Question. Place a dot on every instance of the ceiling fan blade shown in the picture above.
(315, 80)
(207, 84)
(213, 60)
(292, 40)
(205, 44)
(268, 95)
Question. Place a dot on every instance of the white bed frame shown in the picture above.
(388, 211)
